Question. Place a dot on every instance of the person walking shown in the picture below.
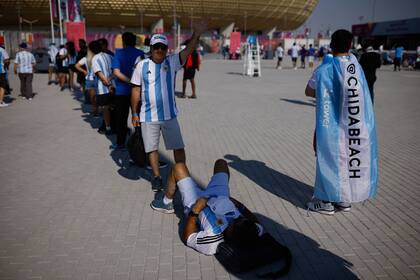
(398, 57)
(24, 67)
(345, 142)
(123, 66)
(52, 68)
(311, 56)
(295, 54)
(4, 64)
(370, 61)
(279, 54)
(153, 82)
(192, 64)
(303, 57)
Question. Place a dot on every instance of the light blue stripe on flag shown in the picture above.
(170, 90)
(158, 94)
(212, 219)
(146, 91)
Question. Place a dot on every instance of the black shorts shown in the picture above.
(72, 67)
(279, 58)
(103, 100)
(63, 70)
(189, 73)
(294, 59)
(3, 82)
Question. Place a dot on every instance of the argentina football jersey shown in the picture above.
(157, 82)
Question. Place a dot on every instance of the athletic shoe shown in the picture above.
(50, 82)
(158, 205)
(342, 206)
(321, 207)
(162, 164)
(157, 184)
(30, 98)
(3, 104)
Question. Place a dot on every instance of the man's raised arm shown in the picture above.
(192, 45)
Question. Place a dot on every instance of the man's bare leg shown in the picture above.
(178, 172)
(193, 88)
(154, 163)
(179, 156)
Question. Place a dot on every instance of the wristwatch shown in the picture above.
(192, 214)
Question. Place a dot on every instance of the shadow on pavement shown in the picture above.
(235, 73)
(289, 189)
(299, 102)
(309, 261)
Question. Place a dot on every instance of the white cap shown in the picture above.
(159, 38)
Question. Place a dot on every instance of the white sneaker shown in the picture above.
(319, 206)
(30, 98)
(3, 104)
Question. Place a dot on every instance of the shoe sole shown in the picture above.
(166, 211)
(343, 209)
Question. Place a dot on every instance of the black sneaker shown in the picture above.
(157, 184)
(101, 130)
(50, 82)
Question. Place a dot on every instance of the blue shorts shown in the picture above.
(90, 84)
(190, 191)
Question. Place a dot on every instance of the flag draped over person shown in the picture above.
(346, 167)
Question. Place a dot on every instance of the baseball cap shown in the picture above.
(223, 206)
(158, 38)
(23, 45)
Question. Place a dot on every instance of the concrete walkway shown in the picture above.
(70, 208)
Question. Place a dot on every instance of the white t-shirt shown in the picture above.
(157, 88)
(52, 53)
(295, 51)
(90, 75)
(279, 51)
(65, 61)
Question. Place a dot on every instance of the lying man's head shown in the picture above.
(241, 232)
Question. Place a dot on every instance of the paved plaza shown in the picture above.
(71, 208)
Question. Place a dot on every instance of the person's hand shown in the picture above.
(199, 204)
(135, 120)
(200, 27)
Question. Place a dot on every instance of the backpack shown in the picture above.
(266, 250)
(135, 148)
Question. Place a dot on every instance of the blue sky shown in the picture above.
(335, 14)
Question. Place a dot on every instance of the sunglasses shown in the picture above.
(160, 46)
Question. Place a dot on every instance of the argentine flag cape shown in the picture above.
(346, 166)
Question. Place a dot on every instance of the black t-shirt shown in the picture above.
(370, 61)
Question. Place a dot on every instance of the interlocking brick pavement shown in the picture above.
(70, 208)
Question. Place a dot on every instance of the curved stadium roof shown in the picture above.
(256, 15)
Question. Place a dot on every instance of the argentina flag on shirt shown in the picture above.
(157, 82)
(3, 57)
(101, 62)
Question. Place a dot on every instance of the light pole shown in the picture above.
(52, 23)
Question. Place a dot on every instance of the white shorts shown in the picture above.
(171, 133)
(310, 58)
(190, 191)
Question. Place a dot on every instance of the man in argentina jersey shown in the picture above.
(153, 83)
(24, 64)
(212, 216)
(101, 65)
(4, 63)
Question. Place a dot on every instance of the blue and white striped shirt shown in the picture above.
(24, 60)
(3, 56)
(90, 75)
(158, 91)
(101, 62)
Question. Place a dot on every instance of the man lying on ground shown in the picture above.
(212, 216)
